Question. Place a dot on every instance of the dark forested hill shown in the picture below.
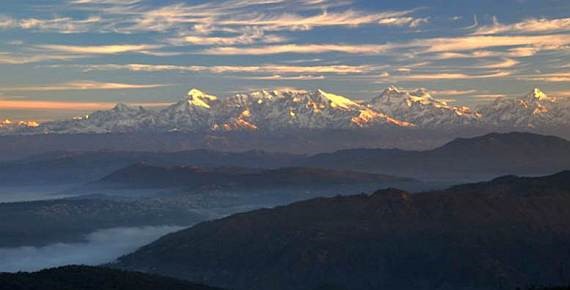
(507, 233)
(149, 176)
(92, 278)
(475, 158)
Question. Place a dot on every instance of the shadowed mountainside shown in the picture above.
(506, 233)
(192, 178)
(470, 159)
(476, 158)
(90, 278)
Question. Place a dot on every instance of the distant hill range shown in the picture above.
(469, 159)
(194, 178)
(475, 158)
(507, 233)
(90, 278)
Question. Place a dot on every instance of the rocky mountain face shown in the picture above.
(534, 110)
(507, 233)
(299, 109)
(258, 110)
(418, 107)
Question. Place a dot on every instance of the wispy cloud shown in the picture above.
(403, 21)
(249, 36)
(480, 42)
(60, 24)
(488, 97)
(83, 86)
(264, 68)
(532, 25)
(107, 2)
(297, 48)
(287, 78)
(348, 18)
(99, 49)
(549, 77)
(64, 105)
(449, 76)
(505, 63)
(452, 92)
(25, 58)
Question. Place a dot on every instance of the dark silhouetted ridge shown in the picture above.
(507, 233)
(91, 278)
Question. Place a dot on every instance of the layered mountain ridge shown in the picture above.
(274, 110)
(507, 233)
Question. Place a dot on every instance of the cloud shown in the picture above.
(488, 97)
(7, 22)
(100, 247)
(84, 86)
(403, 21)
(250, 36)
(25, 58)
(237, 16)
(263, 68)
(287, 78)
(533, 25)
(452, 92)
(442, 48)
(59, 25)
(505, 63)
(99, 2)
(297, 48)
(348, 18)
(99, 49)
(466, 43)
(549, 77)
(562, 94)
(479, 54)
(450, 76)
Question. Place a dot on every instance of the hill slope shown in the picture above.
(189, 177)
(90, 278)
(475, 158)
(496, 235)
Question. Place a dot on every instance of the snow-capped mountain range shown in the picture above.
(300, 109)
(534, 110)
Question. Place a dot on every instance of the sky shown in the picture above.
(63, 58)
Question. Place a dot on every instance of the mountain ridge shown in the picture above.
(468, 159)
(500, 234)
(274, 110)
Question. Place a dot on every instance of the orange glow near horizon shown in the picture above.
(64, 105)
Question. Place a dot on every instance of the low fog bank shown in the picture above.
(32, 193)
(102, 246)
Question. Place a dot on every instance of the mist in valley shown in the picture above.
(100, 247)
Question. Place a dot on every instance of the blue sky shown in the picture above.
(61, 58)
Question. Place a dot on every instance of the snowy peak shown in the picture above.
(534, 110)
(392, 89)
(122, 107)
(418, 107)
(273, 110)
(538, 95)
(336, 101)
(198, 98)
